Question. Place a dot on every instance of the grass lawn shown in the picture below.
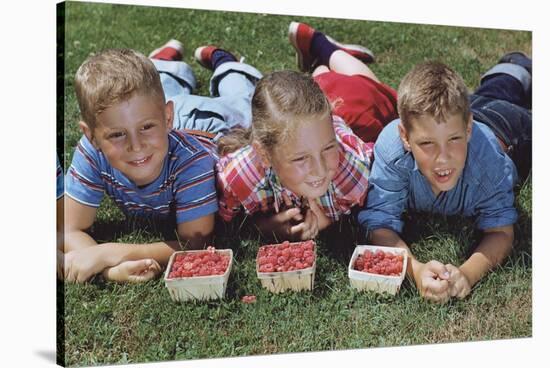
(107, 323)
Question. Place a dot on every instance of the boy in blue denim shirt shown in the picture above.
(144, 146)
(452, 154)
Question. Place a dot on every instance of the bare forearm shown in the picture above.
(493, 249)
(75, 240)
(115, 253)
(111, 254)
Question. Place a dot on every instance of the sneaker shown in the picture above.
(300, 36)
(204, 56)
(519, 58)
(171, 51)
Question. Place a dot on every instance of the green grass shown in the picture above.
(106, 323)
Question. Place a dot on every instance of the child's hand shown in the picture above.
(322, 220)
(460, 286)
(141, 270)
(432, 282)
(308, 229)
(81, 264)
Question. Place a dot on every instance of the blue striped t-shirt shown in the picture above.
(185, 187)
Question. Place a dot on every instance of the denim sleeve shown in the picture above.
(496, 207)
(387, 195)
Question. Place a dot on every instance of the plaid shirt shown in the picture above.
(244, 183)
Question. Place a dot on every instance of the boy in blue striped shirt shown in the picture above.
(131, 152)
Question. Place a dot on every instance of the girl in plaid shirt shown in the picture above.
(303, 167)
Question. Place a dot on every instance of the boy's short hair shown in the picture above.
(111, 77)
(432, 88)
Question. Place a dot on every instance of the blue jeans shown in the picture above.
(503, 102)
(229, 104)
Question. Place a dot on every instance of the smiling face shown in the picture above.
(133, 136)
(439, 149)
(307, 162)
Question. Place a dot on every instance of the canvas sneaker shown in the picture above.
(171, 51)
(205, 56)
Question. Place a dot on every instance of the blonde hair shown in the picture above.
(111, 77)
(281, 101)
(432, 89)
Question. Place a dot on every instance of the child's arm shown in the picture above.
(197, 234)
(85, 257)
(59, 237)
(193, 235)
(291, 224)
(493, 249)
(430, 278)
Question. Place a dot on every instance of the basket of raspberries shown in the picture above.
(287, 266)
(198, 274)
(377, 268)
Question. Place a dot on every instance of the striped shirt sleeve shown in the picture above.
(60, 187)
(83, 180)
(195, 188)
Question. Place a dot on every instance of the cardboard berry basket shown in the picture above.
(370, 281)
(197, 287)
(297, 280)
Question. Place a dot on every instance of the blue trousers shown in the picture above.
(229, 104)
(503, 102)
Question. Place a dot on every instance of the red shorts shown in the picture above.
(365, 105)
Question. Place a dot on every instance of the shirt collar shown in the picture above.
(407, 161)
(273, 183)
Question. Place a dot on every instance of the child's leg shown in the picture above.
(509, 80)
(232, 84)
(176, 77)
(344, 63)
(321, 69)
(502, 102)
(314, 48)
(365, 104)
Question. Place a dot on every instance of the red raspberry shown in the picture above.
(248, 299)
(308, 253)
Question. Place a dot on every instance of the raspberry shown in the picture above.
(204, 263)
(379, 262)
(248, 299)
(285, 256)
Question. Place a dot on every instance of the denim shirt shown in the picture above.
(484, 190)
